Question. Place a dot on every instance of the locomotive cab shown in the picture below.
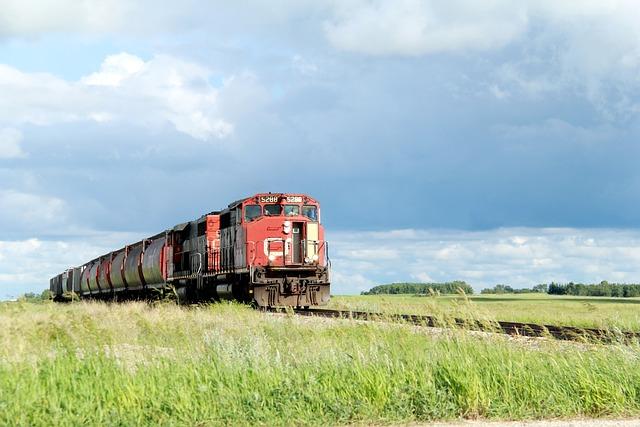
(286, 253)
(283, 233)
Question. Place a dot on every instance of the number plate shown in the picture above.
(275, 199)
(268, 199)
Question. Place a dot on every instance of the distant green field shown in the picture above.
(227, 364)
(621, 313)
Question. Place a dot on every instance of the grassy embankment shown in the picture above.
(598, 312)
(130, 364)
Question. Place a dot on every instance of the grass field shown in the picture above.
(135, 363)
(608, 313)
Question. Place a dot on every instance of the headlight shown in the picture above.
(286, 230)
(307, 260)
(272, 257)
(287, 223)
(315, 257)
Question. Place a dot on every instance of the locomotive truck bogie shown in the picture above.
(268, 249)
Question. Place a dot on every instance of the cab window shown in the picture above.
(252, 212)
(272, 210)
(310, 212)
(290, 210)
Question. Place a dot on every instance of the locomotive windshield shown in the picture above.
(272, 210)
(310, 212)
(252, 212)
(290, 210)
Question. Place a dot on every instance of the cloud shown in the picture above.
(355, 283)
(27, 265)
(521, 257)
(304, 66)
(163, 90)
(114, 70)
(10, 144)
(533, 47)
(28, 17)
(588, 48)
(34, 18)
(33, 212)
(418, 27)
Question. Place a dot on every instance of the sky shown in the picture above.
(491, 142)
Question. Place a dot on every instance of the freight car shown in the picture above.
(268, 249)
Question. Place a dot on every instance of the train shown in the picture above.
(267, 249)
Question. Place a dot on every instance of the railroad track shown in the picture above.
(567, 333)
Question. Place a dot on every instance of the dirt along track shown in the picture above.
(567, 333)
(597, 422)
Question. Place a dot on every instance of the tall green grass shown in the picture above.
(131, 364)
(594, 312)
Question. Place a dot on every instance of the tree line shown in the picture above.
(602, 289)
(506, 289)
(421, 288)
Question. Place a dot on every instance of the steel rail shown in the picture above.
(567, 333)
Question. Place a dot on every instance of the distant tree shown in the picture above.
(541, 288)
(602, 289)
(505, 289)
(556, 289)
(45, 295)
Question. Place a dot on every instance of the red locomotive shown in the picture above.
(268, 249)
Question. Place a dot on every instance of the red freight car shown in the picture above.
(268, 249)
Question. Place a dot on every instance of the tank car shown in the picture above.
(268, 249)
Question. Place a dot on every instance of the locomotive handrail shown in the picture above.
(319, 246)
(253, 257)
(267, 244)
(199, 261)
(316, 245)
(213, 254)
(326, 254)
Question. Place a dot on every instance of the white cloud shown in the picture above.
(27, 17)
(304, 66)
(596, 31)
(355, 283)
(32, 18)
(10, 144)
(423, 277)
(521, 257)
(163, 90)
(590, 48)
(27, 265)
(114, 70)
(31, 211)
(417, 27)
